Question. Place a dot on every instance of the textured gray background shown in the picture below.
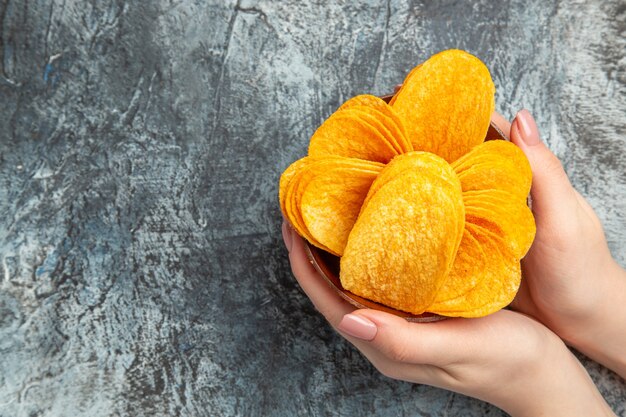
(142, 267)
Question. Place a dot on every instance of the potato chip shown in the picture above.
(354, 133)
(495, 164)
(426, 162)
(365, 100)
(286, 177)
(406, 80)
(406, 236)
(322, 198)
(447, 104)
(467, 270)
(499, 212)
(332, 201)
(387, 116)
(498, 286)
(290, 190)
(391, 128)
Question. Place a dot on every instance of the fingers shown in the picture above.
(286, 230)
(501, 123)
(325, 299)
(551, 190)
(404, 342)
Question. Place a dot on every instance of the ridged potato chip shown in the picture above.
(406, 236)
(387, 115)
(406, 80)
(359, 131)
(467, 270)
(322, 197)
(447, 104)
(496, 164)
(499, 212)
(500, 280)
(353, 136)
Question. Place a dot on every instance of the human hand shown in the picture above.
(507, 358)
(570, 281)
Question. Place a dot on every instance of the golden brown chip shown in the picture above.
(331, 202)
(367, 100)
(390, 125)
(386, 114)
(495, 164)
(322, 197)
(286, 177)
(467, 270)
(497, 287)
(414, 161)
(406, 236)
(447, 104)
(406, 80)
(291, 195)
(501, 213)
(354, 134)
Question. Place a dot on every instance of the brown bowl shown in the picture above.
(328, 265)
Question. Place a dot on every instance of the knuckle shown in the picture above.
(332, 316)
(553, 165)
(298, 267)
(397, 352)
(388, 370)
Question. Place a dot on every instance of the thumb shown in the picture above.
(401, 341)
(551, 190)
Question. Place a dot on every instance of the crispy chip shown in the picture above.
(290, 192)
(499, 212)
(392, 129)
(286, 178)
(354, 133)
(332, 201)
(499, 284)
(496, 164)
(406, 80)
(447, 104)
(466, 272)
(386, 115)
(406, 236)
(425, 162)
(322, 197)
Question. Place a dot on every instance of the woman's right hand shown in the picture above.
(570, 282)
(506, 358)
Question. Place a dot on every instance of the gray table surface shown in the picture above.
(142, 266)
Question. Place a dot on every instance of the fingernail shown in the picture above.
(358, 327)
(527, 128)
(287, 237)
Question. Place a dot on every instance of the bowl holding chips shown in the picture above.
(327, 264)
(425, 215)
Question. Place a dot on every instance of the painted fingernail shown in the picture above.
(358, 327)
(527, 128)
(287, 237)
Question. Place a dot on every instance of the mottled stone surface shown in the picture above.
(142, 267)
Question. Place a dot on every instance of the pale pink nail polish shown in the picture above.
(287, 237)
(527, 128)
(357, 326)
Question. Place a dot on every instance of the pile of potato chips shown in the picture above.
(425, 215)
